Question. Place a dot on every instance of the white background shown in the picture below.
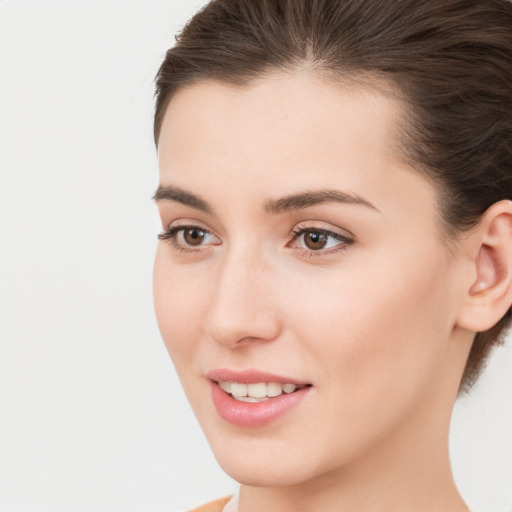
(92, 417)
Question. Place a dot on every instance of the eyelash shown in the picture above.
(170, 235)
(345, 242)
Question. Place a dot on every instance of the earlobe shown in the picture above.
(489, 294)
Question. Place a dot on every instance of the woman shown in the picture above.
(336, 257)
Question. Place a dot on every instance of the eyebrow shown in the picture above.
(313, 198)
(284, 204)
(171, 193)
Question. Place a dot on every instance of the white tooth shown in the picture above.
(249, 399)
(226, 386)
(274, 389)
(238, 389)
(258, 390)
(289, 388)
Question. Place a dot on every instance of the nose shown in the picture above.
(243, 306)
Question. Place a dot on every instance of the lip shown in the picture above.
(259, 414)
(251, 377)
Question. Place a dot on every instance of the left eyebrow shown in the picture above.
(313, 198)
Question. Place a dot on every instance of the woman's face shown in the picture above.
(299, 248)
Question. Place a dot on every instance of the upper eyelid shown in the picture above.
(313, 226)
(172, 229)
(185, 223)
(343, 239)
(188, 223)
(334, 234)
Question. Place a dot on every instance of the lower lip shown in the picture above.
(247, 414)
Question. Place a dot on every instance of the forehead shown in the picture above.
(293, 106)
(286, 131)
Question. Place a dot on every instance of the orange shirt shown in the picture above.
(213, 506)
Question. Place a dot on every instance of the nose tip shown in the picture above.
(242, 309)
(231, 329)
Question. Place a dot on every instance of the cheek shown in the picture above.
(375, 340)
(379, 330)
(178, 308)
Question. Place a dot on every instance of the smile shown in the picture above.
(254, 399)
(257, 392)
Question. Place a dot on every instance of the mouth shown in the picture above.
(258, 391)
(254, 399)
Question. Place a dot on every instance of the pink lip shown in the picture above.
(251, 377)
(247, 414)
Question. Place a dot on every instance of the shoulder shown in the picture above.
(213, 506)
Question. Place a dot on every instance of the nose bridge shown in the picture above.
(242, 307)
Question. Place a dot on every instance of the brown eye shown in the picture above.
(189, 238)
(193, 236)
(315, 240)
(318, 241)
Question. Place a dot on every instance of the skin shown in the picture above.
(374, 325)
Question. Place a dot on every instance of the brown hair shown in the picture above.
(450, 60)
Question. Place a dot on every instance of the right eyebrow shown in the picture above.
(178, 195)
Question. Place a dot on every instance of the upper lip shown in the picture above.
(251, 376)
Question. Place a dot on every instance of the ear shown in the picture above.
(488, 289)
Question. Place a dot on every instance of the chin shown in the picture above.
(258, 472)
(266, 464)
